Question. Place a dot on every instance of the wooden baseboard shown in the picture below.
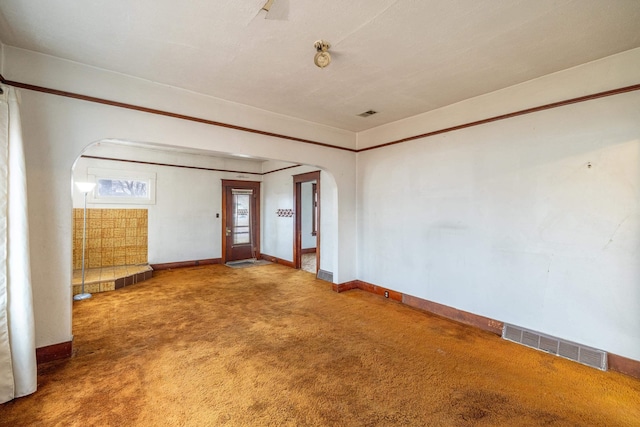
(447, 312)
(347, 286)
(53, 352)
(624, 365)
(182, 264)
(471, 319)
(308, 251)
(379, 290)
(278, 260)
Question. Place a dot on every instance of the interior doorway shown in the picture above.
(240, 220)
(306, 237)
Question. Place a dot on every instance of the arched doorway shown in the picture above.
(183, 209)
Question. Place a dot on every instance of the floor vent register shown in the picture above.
(567, 349)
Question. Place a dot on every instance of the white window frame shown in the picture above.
(96, 174)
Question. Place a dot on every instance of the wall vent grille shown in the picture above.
(569, 350)
(325, 275)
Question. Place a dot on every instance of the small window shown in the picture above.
(122, 187)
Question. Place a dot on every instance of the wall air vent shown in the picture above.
(368, 113)
(567, 349)
(325, 275)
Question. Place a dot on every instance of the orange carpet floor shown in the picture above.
(272, 346)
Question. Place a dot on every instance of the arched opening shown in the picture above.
(159, 206)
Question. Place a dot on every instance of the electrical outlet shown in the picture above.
(386, 294)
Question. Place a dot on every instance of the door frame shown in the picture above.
(255, 219)
(297, 224)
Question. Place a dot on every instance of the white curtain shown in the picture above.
(17, 339)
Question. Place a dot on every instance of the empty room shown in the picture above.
(320, 213)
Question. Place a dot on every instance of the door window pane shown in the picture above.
(241, 219)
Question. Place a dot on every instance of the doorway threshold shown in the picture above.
(245, 263)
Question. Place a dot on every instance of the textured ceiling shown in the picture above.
(400, 58)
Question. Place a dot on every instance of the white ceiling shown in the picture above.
(398, 57)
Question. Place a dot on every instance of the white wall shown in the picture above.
(182, 221)
(277, 232)
(331, 230)
(56, 131)
(507, 219)
(277, 193)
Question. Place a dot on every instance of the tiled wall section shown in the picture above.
(114, 237)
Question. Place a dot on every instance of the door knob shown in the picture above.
(228, 232)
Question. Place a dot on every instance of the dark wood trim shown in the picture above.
(484, 323)
(297, 223)
(624, 365)
(314, 209)
(346, 286)
(306, 177)
(277, 260)
(53, 352)
(281, 169)
(164, 113)
(182, 264)
(308, 251)
(254, 185)
(140, 162)
(379, 290)
(183, 166)
(510, 115)
(570, 101)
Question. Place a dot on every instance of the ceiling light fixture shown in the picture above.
(322, 58)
